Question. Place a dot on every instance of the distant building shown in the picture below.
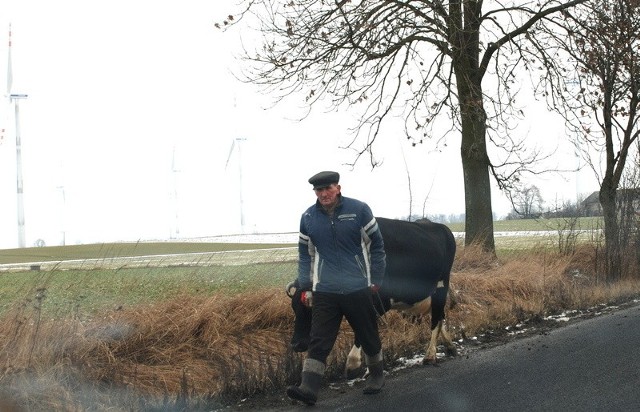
(592, 206)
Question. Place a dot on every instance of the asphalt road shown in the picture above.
(588, 365)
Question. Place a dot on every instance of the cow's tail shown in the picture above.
(442, 289)
(439, 302)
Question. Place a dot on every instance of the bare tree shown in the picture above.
(628, 201)
(527, 202)
(424, 59)
(598, 93)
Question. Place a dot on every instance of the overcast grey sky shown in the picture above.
(131, 114)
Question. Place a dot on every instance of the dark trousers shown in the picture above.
(328, 311)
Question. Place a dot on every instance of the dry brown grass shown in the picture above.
(203, 349)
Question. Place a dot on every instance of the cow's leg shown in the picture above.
(438, 329)
(439, 332)
(353, 366)
(449, 346)
(432, 350)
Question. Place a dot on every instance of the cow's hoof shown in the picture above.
(452, 351)
(354, 373)
(431, 362)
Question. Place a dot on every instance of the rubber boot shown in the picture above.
(375, 379)
(312, 374)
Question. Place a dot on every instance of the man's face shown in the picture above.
(328, 196)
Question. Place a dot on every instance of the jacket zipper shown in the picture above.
(363, 271)
(334, 233)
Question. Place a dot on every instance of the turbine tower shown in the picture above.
(15, 99)
(175, 230)
(237, 143)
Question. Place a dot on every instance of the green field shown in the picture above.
(108, 250)
(87, 291)
(534, 225)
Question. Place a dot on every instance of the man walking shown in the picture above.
(342, 261)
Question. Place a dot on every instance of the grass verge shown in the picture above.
(202, 338)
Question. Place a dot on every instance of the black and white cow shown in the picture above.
(419, 259)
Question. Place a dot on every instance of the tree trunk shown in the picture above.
(613, 257)
(464, 29)
(477, 184)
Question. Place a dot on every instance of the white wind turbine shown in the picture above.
(175, 231)
(15, 99)
(237, 143)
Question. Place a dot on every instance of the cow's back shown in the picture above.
(419, 255)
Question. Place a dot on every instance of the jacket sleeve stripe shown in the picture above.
(371, 227)
(366, 251)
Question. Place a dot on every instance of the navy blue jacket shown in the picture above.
(342, 253)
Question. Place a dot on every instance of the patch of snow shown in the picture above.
(409, 362)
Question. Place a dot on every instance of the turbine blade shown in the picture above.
(9, 67)
(233, 144)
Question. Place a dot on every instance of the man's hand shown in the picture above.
(306, 298)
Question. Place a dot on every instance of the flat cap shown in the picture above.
(324, 179)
